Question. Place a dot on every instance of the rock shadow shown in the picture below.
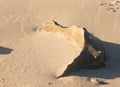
(112, 64)
(5, 50)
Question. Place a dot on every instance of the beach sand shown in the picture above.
(30, 57)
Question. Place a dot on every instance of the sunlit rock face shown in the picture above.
(92, 55)
(73, 33)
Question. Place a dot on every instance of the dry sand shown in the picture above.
(31, 58)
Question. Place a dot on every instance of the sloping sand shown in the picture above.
(32, 58)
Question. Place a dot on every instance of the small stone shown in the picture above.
(49, 83)
(98, 82)
(3, 79)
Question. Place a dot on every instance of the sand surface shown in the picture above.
(32, 58)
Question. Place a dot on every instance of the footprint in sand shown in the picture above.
(29, 28)
(26, 24)
(111, 5)
(3, 82)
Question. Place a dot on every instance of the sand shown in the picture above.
(30, 57)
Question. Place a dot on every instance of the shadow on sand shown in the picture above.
(4, 50)
(112, 68)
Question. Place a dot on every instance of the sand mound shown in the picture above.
(92, 55)
(73, 34)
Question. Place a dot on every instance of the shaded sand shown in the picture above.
(30, 58)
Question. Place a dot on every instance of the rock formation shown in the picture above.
(92, 55)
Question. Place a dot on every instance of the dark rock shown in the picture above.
(91, 57)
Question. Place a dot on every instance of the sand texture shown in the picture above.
(32, 57)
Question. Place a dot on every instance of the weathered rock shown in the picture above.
(92, 55)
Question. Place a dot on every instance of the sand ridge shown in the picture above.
(32, 58)
(73, 33)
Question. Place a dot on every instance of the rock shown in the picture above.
(91, 57)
